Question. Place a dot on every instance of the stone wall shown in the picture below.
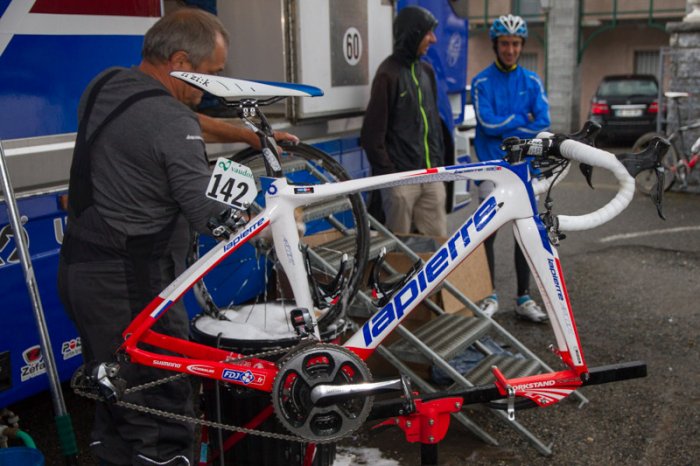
(563, 81)
(684, 74)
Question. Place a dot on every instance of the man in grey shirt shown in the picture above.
(137, 185)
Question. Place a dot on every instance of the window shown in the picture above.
(628, 87)
(646, 62)
(527, 8)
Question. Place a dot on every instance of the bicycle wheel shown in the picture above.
(646, 180)
(333, 228)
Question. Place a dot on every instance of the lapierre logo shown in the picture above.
(430, 273)
(243, 235)
(174, 365)
(200, 369)
(555, 277)
(239, 376)
(35, 363)
(71, 348)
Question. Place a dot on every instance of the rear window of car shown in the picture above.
(627, 87)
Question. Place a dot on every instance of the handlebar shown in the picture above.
(582, 153)
(547, 150)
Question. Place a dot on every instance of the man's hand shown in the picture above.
(216, 130)
(281, 136)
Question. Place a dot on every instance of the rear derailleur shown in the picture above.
(100, 379)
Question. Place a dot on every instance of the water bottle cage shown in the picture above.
(382, 291)
(325, 294)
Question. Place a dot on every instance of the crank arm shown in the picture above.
(323, 395)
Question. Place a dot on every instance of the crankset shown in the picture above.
(320, 365)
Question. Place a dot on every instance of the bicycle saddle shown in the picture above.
(234, 89)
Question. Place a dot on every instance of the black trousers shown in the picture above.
(101, 300)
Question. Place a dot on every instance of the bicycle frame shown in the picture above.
(512, 200)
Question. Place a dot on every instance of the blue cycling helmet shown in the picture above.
(508, 25)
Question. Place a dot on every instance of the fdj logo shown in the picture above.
(238, 376)
(430, 274)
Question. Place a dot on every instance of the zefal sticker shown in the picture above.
(71, 348)
(232, 183)
(35, 363)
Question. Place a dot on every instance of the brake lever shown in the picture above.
(657, 193)
(649, 159)
(587, 135)
(587, 171)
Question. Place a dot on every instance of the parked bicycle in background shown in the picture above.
(679, 161)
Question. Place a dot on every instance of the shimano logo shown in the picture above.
(243, 235)
(174, 365)
(430, 274)
(555, 277)
(245, 377)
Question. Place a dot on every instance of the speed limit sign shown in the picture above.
(352, 43)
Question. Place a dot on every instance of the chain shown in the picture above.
(196, 421)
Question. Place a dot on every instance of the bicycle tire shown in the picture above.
(323, 168)
(646, 180)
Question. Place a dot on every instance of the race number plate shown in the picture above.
(232, 184)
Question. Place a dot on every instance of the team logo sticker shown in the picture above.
(35, 364)
(246, 377)
(201, 369)
(239, 376)
(71, 348)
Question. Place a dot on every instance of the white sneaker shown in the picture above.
(489, 305)
(531, 311)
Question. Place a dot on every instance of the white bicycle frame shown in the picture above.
(513, 199)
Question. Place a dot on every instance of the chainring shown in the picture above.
(300, 372)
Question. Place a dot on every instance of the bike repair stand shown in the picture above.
(64, 424)
(427, 424)
(427, 420)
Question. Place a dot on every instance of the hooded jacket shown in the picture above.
(402, 129)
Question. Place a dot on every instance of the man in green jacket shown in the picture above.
(402, 129)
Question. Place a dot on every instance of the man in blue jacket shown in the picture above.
(508, 101)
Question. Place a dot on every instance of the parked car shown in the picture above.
(626, 106)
